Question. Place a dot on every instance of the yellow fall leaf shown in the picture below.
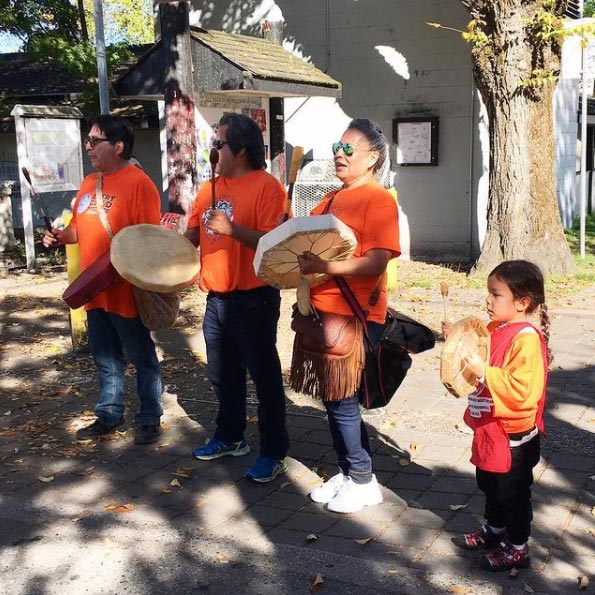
(459, 590)
(174, 483)
(46, 479)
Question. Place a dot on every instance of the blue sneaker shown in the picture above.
(217, 448)
(266, 469)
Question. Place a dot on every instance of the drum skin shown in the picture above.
(469, 335)
(155, 258)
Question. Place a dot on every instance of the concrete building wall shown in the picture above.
(426, 71)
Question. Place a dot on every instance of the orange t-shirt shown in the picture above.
(129, 197)
(256, 201)
(371, 213)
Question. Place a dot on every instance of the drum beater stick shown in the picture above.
(296, 161)
(444, 292)
(214, 159)
(36, 196)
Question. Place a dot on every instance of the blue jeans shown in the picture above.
(111, 337)
(240, 330)
(349, 434)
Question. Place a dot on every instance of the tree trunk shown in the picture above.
(83, 20)
(523, 218)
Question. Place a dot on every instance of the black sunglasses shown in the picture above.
(93, 140)
(219, 144)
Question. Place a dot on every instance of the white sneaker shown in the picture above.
(352, 497)
(329, 489)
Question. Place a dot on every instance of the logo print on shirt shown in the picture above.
(220, 205)
(84, 203)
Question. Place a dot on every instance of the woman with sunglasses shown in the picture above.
(371, 212)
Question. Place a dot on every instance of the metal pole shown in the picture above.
(585, 79)
(101, 60)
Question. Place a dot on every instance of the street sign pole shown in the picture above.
(101, 59)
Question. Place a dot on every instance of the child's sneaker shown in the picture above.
(505, 557)
(482, 539)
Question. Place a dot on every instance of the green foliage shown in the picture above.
(129, 21)
(539, 78)
(589, 8)
(474, 34)
(26, 19)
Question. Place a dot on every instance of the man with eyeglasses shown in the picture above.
(242, 311)
(117, 195)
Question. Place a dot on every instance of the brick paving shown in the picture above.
(189, 526)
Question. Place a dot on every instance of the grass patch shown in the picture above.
(420, 275)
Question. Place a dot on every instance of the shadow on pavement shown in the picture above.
(112, 517)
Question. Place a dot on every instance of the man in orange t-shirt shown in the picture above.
(128, 197)
(240, 322)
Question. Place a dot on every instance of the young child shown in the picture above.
(506, 413)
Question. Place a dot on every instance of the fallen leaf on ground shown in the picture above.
(253, 419)
(363, 541)
(392, 571)
(404, 462)
(175, 483)
(311, 537)
(119, 508)
(459, 590)
(527, 588)
(514, 572)
(458, 506)
(583, 582)
(46, 479)
(318, 583)
(181, 472)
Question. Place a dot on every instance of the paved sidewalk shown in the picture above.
(117, 518)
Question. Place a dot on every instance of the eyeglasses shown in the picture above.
(93, 140)
(219, 144)
(348, 148)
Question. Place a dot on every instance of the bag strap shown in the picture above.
(100, 209)
(348, 292)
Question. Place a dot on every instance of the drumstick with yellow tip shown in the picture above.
(444, 292)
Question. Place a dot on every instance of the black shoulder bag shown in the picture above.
(388, 362)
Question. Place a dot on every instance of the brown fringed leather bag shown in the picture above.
(328, 355)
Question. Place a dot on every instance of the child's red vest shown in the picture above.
(490, 450)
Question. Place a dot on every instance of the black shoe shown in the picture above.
(147, 434)
(98, 429)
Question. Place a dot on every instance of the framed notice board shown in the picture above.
(416, 139)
